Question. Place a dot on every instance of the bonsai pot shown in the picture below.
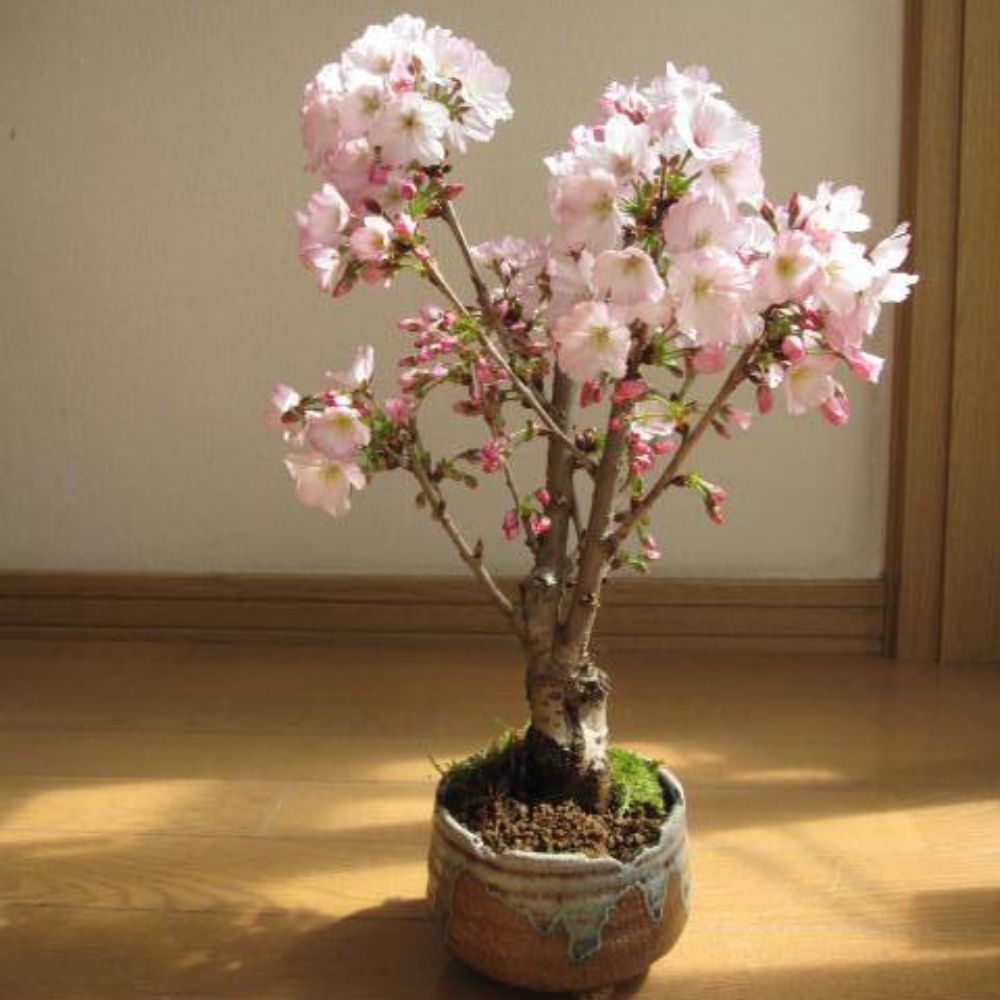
(559, 922)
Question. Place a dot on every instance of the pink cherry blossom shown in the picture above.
(711, 288)
(712, 129)
(696, 222)
(571, 280)
(339, 432)
(284, 399)
(710, 359)
(353, 170)
(322, 133)
(627, 277)
(735, 179)
(359, 374)
(363, 101)
(320, 229)
(372, 241)
(591, 340)
(492, 455)
(835, 211)
(889, 284)
(809, 384)
(866, 366)
(586, 208)
(324, 482)
(843, 273)
(411, 129)
(651, 421)
(791, 270)
(620, 147)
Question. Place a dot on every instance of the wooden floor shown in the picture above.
(226, 821)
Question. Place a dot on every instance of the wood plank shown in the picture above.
(971, 621)
(922, 348)
(794, 616)
(233, 821)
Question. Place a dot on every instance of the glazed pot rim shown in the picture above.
(672, 830)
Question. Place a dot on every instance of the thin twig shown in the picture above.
(489, 315)
(472, 557)
(438, 280)
(669, 474)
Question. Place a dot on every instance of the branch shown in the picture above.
(489, 314)
(593, 560)
(472, 557)
(669, 474)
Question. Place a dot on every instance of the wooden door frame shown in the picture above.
(942, 569)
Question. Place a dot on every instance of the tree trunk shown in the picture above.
(565, 749)
(566, 745)
(567, 742)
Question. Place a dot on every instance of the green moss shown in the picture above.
(635, 782)
(480, 775)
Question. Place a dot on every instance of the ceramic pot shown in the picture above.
(559, 922)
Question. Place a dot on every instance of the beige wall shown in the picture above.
(150, 293)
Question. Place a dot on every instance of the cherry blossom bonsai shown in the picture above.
(667, 269)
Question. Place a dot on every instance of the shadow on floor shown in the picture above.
(387, 951)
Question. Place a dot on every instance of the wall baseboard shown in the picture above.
(787, 616)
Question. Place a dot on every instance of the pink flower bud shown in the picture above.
(650, 549)
(343, 287)
(373, 274)
(452, 191)
(399, 410)
(837, 409)
(793, 348)
(511, 525)
(590, 393)
(629, 389)
(742, 418)
(404, 227)
(615, 424)
(765, 399)
(407, 190)
(543, 497)
(539, 524)
(717, 494)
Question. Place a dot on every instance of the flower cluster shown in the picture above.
(378, 126)
(666, 264)
(328, 433)
(663, 231)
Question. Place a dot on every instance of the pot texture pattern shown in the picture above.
(555, 922)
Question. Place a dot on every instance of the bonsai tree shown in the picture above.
(666, 265)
